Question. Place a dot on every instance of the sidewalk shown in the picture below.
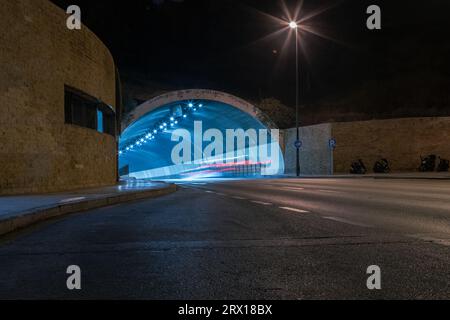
(412, 175)
(17, 212)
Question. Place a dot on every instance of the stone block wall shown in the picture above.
(401, 141)
(39, 55)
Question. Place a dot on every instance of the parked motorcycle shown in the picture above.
(443, 165)
(381, 166)
(358, 167)
(428, 163)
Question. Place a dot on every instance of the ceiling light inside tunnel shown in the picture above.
(163, 126)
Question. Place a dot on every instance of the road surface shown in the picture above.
(251, 239)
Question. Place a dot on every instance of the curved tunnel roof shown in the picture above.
(197, 94)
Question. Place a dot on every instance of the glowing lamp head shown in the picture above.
(293, 25)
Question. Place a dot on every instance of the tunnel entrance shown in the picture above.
(196, 134)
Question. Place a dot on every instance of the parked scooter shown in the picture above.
(443, 165)
(428, 163)
(358, 167)
(381, 166)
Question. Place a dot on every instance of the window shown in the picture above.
(108, 119)
(85, 111)
(100, 121)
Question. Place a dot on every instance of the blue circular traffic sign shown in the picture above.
(332, 143)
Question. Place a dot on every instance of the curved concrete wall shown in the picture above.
(38, 56)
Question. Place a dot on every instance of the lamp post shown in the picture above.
(293, 25)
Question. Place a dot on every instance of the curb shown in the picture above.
(362, 176)
(28, 218)
(413, 178)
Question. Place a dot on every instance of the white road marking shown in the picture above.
(294, 209)
(343, 220)
(329, 191)
(239, 198)
(293, 188)
(435, 239)
(263, 203)
(220, 194)
(207, 191)
(72, 199)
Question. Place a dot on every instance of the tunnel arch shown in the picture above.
(197, 94)
(147, 149)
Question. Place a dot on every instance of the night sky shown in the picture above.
(219, 44)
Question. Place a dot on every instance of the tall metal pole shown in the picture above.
(296, 103)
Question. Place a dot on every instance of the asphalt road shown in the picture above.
(254, 239)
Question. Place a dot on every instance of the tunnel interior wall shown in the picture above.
(400, 141)
(39, 55)
(147, 148)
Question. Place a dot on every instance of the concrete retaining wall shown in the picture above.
(314, 154)
(401, 141)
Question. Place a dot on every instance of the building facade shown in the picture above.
(57, 102)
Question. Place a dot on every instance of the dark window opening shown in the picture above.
(85, 111)
(108, 118)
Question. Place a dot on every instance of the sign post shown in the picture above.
(298, 145)
(332, 145)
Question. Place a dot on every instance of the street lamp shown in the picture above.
(294, 26)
